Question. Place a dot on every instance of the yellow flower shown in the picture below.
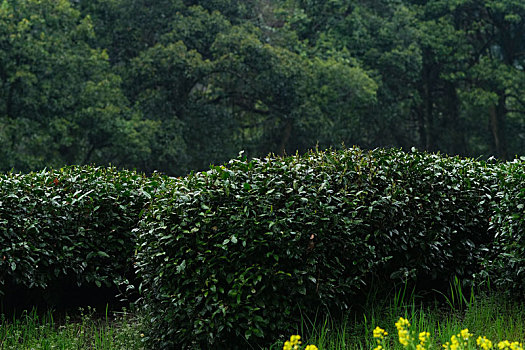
(402, 323)
(423, 337)
(484, 343)
(379, 347)
(504, 344)
(404, 336)
(379, 333)
(454, 343)
(464, 334)
(311, 347)
(293, 343)
(402, 326)
(508, 345)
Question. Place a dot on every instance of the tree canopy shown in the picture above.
(175, 85)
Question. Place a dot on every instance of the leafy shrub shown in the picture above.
(73, 224)
(235, 254)
(507, 269)
(434, 217)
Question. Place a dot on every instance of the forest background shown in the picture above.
(173, 85)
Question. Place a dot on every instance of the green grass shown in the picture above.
(492, 315)
(84, 331)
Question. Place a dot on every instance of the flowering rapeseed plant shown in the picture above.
(423, 341)
(506, 345)
(403, 333)
(484, 343)
(295, 344)
(407, 339)
(379, 335)
(459, 341)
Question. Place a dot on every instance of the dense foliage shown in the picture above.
(507, 270)
(239, 252)
(71, 226)
(174, 85)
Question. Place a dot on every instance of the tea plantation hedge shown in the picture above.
(507, 269)
(70, 226)
(239, 253)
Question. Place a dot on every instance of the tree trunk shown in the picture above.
(428, 116)
(457, 132)
(497, 127)
(287, 132)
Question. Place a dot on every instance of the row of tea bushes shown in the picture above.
(240, 253)
(70, 226)
(507, 269)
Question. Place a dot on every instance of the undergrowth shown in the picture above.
(86, 330)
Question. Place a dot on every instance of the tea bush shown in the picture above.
(237, 253)
(72, 225)
(507, 269)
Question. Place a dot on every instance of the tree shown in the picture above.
(60, 104)
(218, 86)
(440, 66)
(484, 63)
(497, 34)
(126, 28)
